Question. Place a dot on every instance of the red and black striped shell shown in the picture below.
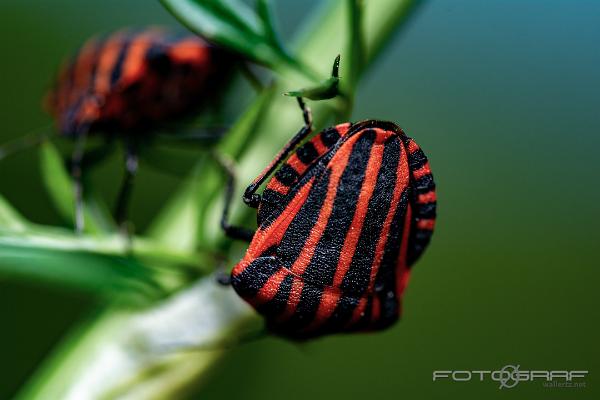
(131, 81)
(339, 226)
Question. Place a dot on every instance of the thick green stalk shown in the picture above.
(121, 353)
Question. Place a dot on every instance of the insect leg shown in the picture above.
(234, 232)
(76, 174)
(251, 198)
(131, 167)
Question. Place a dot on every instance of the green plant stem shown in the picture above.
(114, 245)
(79, 368)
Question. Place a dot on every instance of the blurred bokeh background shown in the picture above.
(504, 96)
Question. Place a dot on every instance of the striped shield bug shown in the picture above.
(128, 82)
(341, 221)
(128, 85)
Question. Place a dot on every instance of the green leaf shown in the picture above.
(34, 259)
(60, 188)
(356, 46)
(233, 145)
(10, 218)
(327, 89)
(227, 24)
(169, 160)
(180, 223)
(177, 224)
(265, 13)
(246, 128)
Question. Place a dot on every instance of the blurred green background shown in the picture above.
(504, 97)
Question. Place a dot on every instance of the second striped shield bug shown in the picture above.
(342, 220)
(127, 86)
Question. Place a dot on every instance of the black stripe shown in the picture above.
(159, 60)
(417, 243)
(314, 169)
(357, 279)
(330, 136)
(419, 238)
(270, 251)
(299, 229)
(95, 62)
(306, 309)
(386, 276)
(385, 281)
(365, 320)
(340, 316)
(115, 74)
(277, 304)
(287, 175)
(425, 211)
(270, 200)
(275, 207)
(424, 184)
(307, 153)
(68, 120)
(327, 253)
(416, 160)
(253, 278)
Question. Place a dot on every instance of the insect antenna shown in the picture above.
(31, 139)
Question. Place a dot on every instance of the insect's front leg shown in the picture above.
(251, 198)
(234, 232)
(131, 167)
(76, 175)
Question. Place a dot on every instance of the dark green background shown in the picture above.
(504, 97)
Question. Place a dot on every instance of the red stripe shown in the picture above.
(402, 181)
(403, 283)
(319, 146)
(327, 306)
(277, 186)
(82, 72)
(401, 268)
(366, 191)
(331, 296)
(106, 62)
(428, 197)
(191, 50)
(266, 238)
(427, 224)
(424, 170)
(293, 300)
(296, 164)
(343, 128)
(351, 240)
(337, 165)
(359, 312)
(412, 146)
(375, 309)
(135, 61)
(269, 290)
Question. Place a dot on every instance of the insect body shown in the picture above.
(340, 224)
(129, 84)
